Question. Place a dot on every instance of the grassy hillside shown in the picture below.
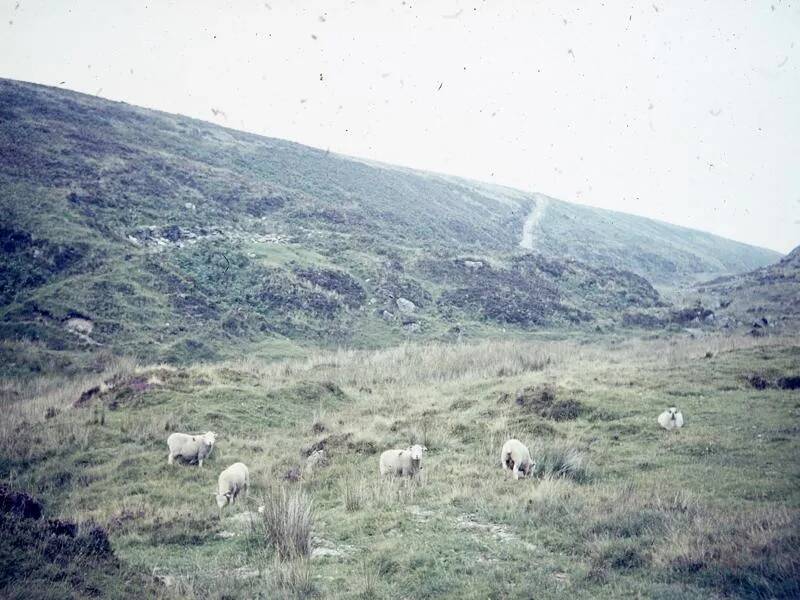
(762, 299)
(618, 508)
(158, 236)
(662, 253)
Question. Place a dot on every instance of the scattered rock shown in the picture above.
(243, 521)
(411, 326)
(226, 534)
(500, 532)
(406, 306)
(322, 547)
(79, 325)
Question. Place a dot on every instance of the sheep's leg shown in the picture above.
(200, 462)
(516, 473)
(170, 459)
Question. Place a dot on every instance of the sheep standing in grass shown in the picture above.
(671, 418)
(516, 457)
(190, 447)
(402, 463)
(232, 481)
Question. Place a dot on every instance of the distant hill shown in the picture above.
(661, 252)
(159, 235)
(761, 299)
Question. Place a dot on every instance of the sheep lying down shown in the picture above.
(402, 463)
(671, 418)
(516, 457)
(232, 481)
(191, 448)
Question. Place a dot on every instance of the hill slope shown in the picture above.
(160, 235)
(765, 297)
(661, 252)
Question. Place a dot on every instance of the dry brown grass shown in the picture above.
(29, 402)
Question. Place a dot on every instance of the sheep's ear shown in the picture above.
(425, 448)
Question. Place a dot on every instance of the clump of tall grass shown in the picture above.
(292, 578)
(287, 522)
(369, 581)
(559, 460)
(353, 493)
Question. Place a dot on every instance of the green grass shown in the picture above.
(95, 194)
(710, 509)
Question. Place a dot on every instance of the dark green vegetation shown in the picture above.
(50, 558)
(619, 508)
(167, 238)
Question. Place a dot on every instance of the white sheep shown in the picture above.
(671, 418)
(516, 457)
(402, 463)
(232, 481)
(190, 447)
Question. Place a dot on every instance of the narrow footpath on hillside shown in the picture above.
(532, 221)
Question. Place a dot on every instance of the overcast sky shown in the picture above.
(684, 111)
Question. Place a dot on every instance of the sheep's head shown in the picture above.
(222, 500)
(416, 452)
(673, 410)
(209, 437)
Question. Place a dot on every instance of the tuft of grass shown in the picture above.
(369, 581)
(287, 522)
(750, 554)
(353, 494)
(292, 578)
(559, 460)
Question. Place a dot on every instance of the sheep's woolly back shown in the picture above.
(231, 481)
(402, 462)
(516, 457)
(191, 447)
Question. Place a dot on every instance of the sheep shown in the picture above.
(232, 481)
(671, 418)
(402, 463)
(190, 447)
(516, 457)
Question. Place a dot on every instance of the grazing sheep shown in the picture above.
(190, 447)
(516, 457)
(232, 481)
(671, 418)
(402, 463)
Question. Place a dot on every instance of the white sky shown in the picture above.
(684, 111)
